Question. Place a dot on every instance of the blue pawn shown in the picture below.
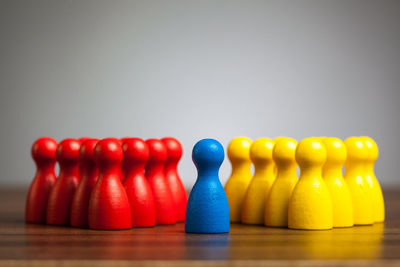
(207, 211)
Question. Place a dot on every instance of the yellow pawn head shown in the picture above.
(311, 152)
(336, 152)
(239, 149)
(356, 150)
(284, 151)
(261, 151)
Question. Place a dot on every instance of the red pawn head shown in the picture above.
(109, 205)
(158, 152)
(174, 149)
(68, 151)
(108, 152)
(135, 151)
(44, 150)
(44, 154)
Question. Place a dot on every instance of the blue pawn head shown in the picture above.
(208, 155)
(207, 210)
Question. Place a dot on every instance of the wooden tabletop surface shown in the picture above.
(42, 245)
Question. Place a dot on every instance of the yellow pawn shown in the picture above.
(354, 176)
(276, 206)
(254, 202)
(332, 174)
(236, 186)
(310, 207)
(378, 210)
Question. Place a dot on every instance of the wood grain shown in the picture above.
(42, 245)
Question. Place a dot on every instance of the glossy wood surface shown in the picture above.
(42, 245)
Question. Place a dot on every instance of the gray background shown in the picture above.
(198, 69)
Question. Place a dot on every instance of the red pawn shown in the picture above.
(109, 205)
(143, 210)
(59, 205)
(89, 173)
(174, 149)
(44, 154)
(165, 208)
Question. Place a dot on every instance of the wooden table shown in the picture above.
(42, 245)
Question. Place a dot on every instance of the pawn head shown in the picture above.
(158, 151)
(311, 151)
(239, 149)
(372, 147)
(261, 151)
(208, 154)
(356, 149)
(108, 151)
(174, 148)
(44, 149)
(284, 150)
(336, 151)
(68, 150)
(135, 150)
(86, 152)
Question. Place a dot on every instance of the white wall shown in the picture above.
(197, 69)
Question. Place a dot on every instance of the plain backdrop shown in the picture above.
(198, 69)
